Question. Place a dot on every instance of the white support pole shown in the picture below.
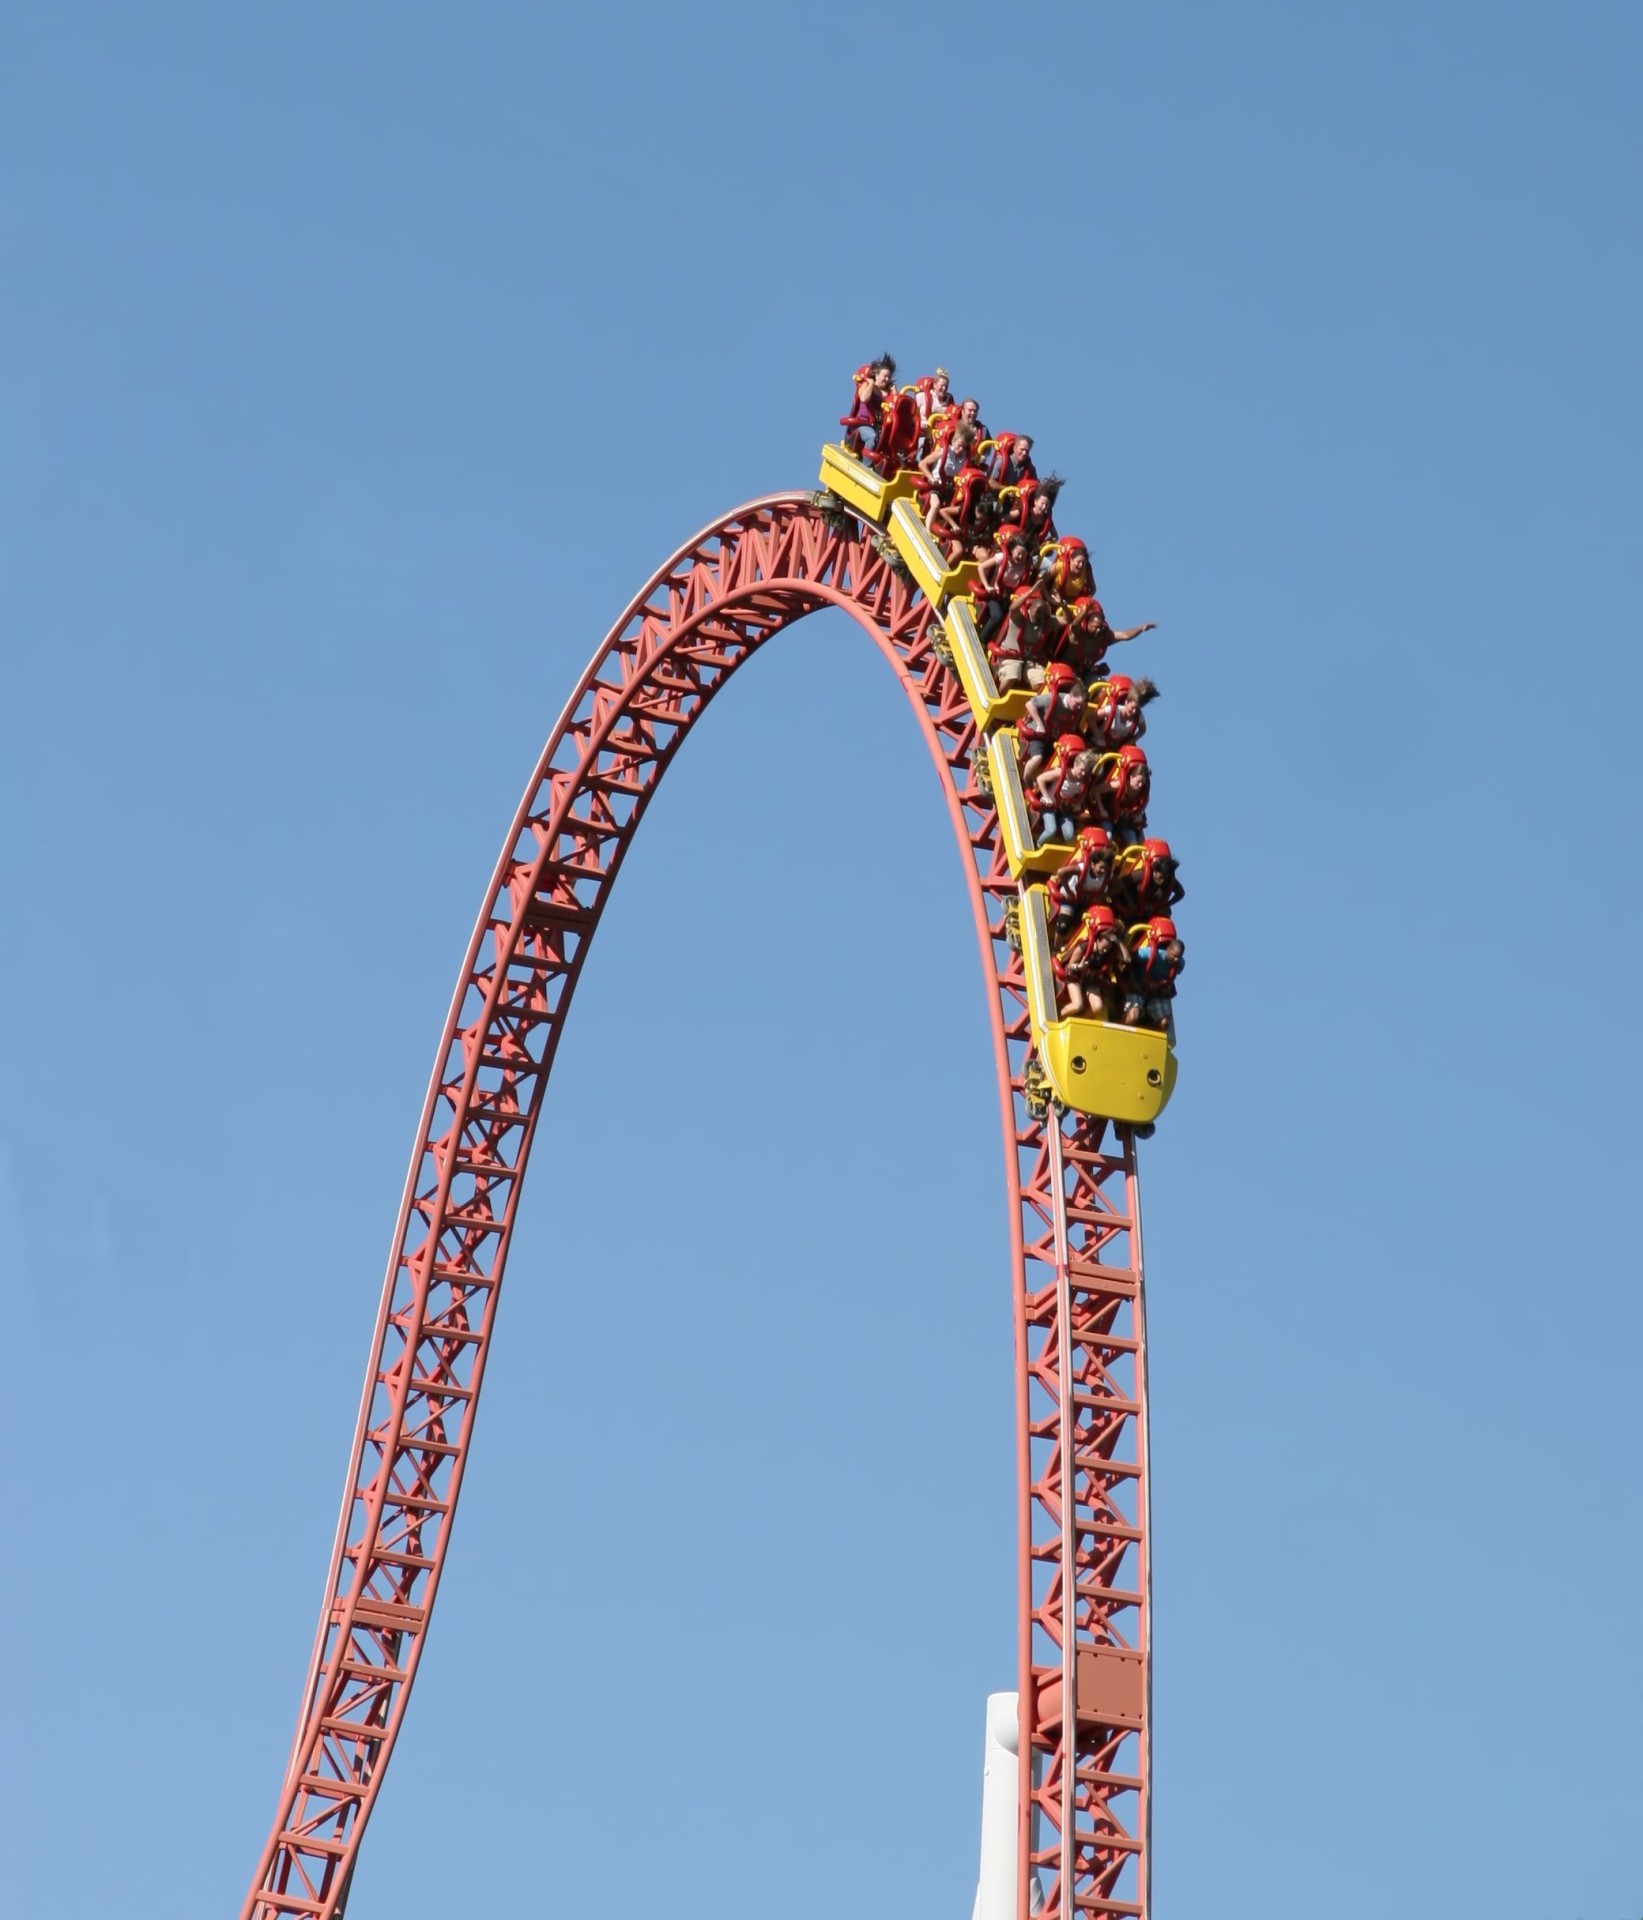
(995, 1888)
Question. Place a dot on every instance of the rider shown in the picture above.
(1047, 609)
(1056, 709)
(1120, 785)
(932, 394)
(1066, 570)
(1095, 634)
(1003, 575)
(1157, 956)
(946, 460)
(969, 415)
(1092, 964)
(899, 434)
(999, 584)
(966, 514)
(1059, 798)
(1035, 512)
(1115, 717)
(874, 384)
(1144, 882)
(1082, 882)
(1011, 460)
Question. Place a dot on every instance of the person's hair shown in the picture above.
(1145, 690)
(1052, 483)
(886, 360)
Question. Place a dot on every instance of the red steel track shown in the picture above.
(1081, 1426)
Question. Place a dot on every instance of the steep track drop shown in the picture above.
(1081, 1424)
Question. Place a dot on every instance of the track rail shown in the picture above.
(1079, 1345)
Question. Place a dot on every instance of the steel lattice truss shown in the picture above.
(1080, 1356)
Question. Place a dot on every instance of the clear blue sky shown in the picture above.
(356, 371)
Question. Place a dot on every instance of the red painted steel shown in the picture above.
(1080, 1355)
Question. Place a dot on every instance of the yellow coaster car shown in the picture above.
(1015, 823)
(925, 560)
(892, 504)
(1124, 1073)
(858, 486)
(990, 707)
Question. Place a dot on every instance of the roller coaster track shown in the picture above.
(1080, 1369)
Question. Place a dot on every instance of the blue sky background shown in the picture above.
(356, 370)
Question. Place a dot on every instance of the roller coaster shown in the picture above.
(1082, 1076)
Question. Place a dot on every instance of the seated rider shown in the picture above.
(931, 395)
(1003, 575)
(941, 467)
(969, 415)
(1011, 461)
(1056, 709)
(1046, 610)
(1144, 883)
(899, 434)
(1115, 717)
(1157, 956)
(1065, 571)
(1119, 789)
(980, 549)
(1092, 965)
(874, 384)
(1082, 882)
(1035, 512)
(964, 516)
(1095, 635)
(1058, 801)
